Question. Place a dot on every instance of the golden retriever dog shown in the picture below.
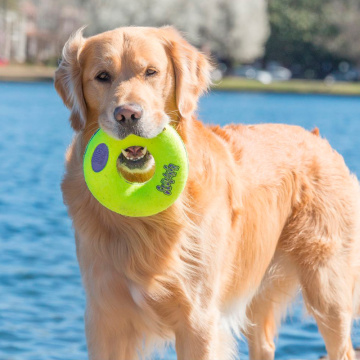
(267, 209)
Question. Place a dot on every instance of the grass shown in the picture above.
(26, 73)
(292, 86)
(42, 73)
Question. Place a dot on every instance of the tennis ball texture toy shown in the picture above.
(136, 199)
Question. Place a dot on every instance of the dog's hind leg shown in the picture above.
(357, 297)
(264, 313)
(328, 294)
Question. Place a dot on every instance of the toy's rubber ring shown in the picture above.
(136, 199)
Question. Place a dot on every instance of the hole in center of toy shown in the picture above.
(136, 164)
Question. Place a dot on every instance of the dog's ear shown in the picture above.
(68, 80)
(192, 70)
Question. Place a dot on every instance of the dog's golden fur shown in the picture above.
(266, 209)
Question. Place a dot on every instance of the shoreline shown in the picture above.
(39, 73)
(294, 86)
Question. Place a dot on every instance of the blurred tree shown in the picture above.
(313, 36)
(9, 5)
(344, 16)
(49, 24)
(235, 30)
(298, 30)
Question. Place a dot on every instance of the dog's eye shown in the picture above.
(150, 72)
(103, 77)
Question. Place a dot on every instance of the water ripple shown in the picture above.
(42, 300)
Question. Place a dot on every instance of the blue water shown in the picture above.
(41, 297)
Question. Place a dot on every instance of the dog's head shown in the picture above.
(131, 80)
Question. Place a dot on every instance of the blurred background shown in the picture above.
(280, 61)
(274, 40)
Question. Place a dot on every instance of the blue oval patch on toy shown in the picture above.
(136, 199)
(100, 157)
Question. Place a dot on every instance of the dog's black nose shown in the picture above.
(128, 114)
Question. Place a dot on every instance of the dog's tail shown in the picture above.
(315, 131)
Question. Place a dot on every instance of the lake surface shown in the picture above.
(41, 297)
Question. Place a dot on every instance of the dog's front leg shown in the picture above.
(109, 337)
(204, 339)
(194, 344)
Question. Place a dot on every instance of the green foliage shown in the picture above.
(9, 4)
(344, 15)
(299, 31)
